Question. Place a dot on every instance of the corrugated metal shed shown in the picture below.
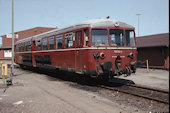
(156, 40)
(154, 48)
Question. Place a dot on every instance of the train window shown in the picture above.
(38, 44)
(59, 41)
(19, 47)
(26, 48)
(99, 37)
(45, 44)
(51, 43)
(86, 37)
(130, 41)
(69, 40)
(116, 37)
(79, 38)
(29, 46)
(16, 47)
(23, 47)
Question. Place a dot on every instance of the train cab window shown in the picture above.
(78, 38)
(44, 44)
(86, 37)
(116, 37)
(69, 40)
(99, 37)
(130, 41)
(51, 43)
(59, 41)
(38, 44)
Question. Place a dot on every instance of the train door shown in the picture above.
(78, 57)
(33, 48)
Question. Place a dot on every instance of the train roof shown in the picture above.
(89, 23)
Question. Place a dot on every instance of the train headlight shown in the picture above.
(117, 24)
(130, 55)
(102, 55)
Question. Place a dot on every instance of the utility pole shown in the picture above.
(138, 21)
(12, 73)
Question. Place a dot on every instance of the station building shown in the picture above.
(5, 47)
(155, 49)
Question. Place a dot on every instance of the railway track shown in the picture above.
(140, 91)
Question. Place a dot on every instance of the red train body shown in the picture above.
(100, 47)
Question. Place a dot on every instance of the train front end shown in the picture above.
(112, 51)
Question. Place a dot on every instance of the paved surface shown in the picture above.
(155, 78)
(38, 93)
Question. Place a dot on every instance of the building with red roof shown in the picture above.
(5, 48)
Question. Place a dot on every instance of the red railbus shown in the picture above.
(98, 47)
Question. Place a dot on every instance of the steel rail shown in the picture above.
(140, 86)
(148, 88)
(143, 92)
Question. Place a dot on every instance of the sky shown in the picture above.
(61, 13)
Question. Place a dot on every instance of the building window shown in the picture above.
(51, 43)
(45, 44)
(7, 53)
(69, 40)
(59, 41)
(10, 36)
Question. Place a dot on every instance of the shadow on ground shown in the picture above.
(54, 75)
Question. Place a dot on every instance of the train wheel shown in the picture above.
(133, 68)
(128, 71)
(21, 66)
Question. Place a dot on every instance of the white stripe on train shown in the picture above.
(73, 49)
